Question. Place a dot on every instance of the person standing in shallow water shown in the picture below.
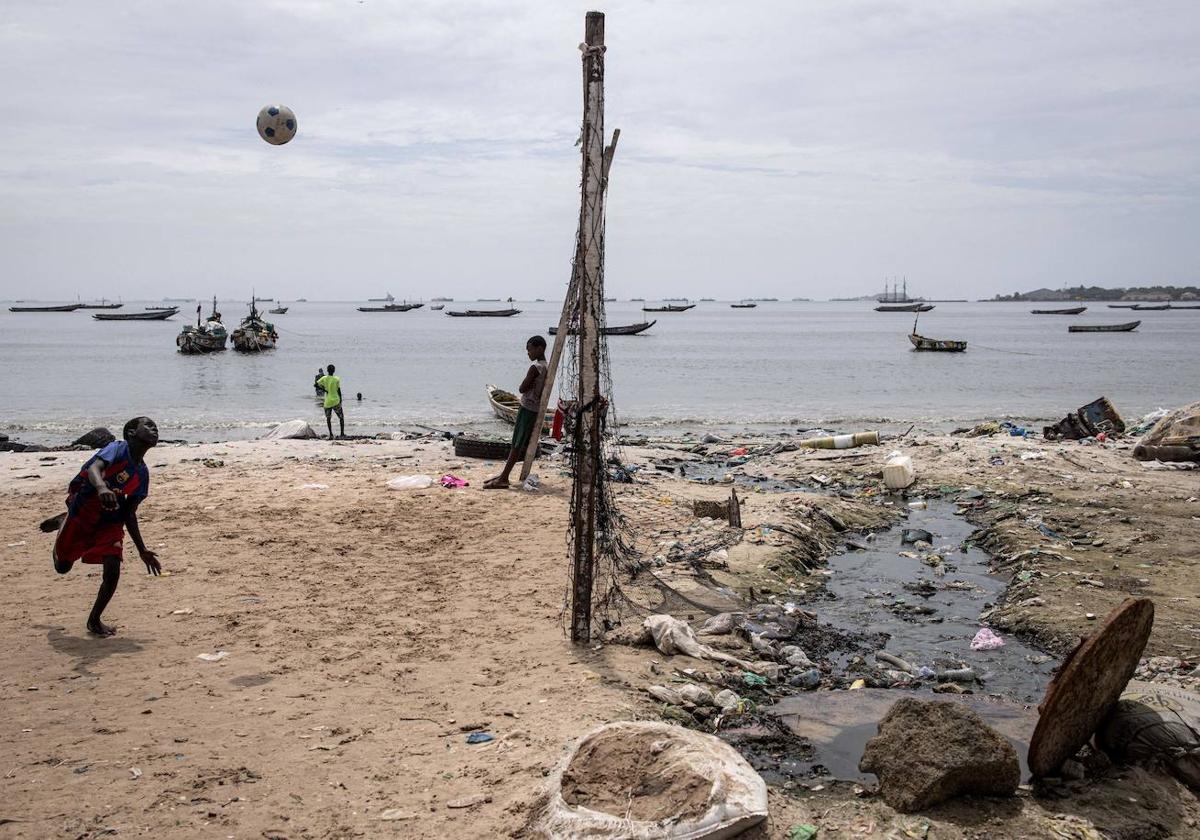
(102, 502)
(333, 400)
(528, 423)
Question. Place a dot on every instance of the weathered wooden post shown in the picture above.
(589, 261)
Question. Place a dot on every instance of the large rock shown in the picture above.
(97, 438)
(291, 429)
(928, 751)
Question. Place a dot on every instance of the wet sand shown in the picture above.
(369, 629)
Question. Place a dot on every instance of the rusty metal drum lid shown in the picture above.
(1089, 682)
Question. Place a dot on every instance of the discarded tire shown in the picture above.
(492, 450)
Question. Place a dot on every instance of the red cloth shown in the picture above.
(85, 536)
(556, 428)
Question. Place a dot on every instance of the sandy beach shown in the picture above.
(369, 631)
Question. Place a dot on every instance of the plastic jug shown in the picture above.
(898, 471)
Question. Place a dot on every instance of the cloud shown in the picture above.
(813, 147)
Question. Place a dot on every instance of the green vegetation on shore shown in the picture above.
(1139, 293)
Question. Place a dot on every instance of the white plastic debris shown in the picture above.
(727, 700)
(291, 430)
(697, 694)
(214, 657)
(1033, 455)
(674, 636)
(314, 486)
(898, 471)
(410, 482)
(532, 483)
(665, 695)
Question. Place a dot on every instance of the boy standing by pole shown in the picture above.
(102, 502)
(528, 423)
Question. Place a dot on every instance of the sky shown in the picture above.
(768, 149)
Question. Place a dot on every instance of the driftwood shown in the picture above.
(729, 510)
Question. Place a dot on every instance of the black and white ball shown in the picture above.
(276, 124)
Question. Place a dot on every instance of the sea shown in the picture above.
(780, 367)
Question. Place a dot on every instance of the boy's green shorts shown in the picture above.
(526, 420)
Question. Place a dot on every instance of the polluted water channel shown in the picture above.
(922, 601)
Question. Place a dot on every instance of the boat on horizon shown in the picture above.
(746, 304)
(905, 307)
(151, 315)
(483, 313)
(1074, 310)
(103, 304)
(387, 299)
(442, 300)
(69, 307)
(631, 329)
(1129, 327)
(670, 307)
(278, 310)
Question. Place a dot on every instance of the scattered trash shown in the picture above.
(920, 504)
(802, 831)
(17, 544)
(479, 738)
(291, 430)
(737, 453)
(1033, 455)
(857, 684)
(671, 635)
(410, 482)
(314, 486)
(754, 680)
(213, 463)
(1174, 437)
(911, 535)
(643, 780)
(959, 675)
(807, 680)
(928, 751)
(841, 441)
(184, 611)
(1087, 422)
(665, 695)
(214, 657)
(453, 481)
(135, 773)
(697, 695)
(898, 471)
(986, 639)
(531, 483)
(395, 814)
(721, 624)
(727, 700)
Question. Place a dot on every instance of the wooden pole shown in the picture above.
(589, 255)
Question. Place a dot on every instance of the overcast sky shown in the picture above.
(768, 148)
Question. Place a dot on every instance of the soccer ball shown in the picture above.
(276, 124)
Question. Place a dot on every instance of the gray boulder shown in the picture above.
(928, 751)
(97, 438)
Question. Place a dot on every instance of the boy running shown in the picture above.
(528, 422)
(102, 501)
(333, 400)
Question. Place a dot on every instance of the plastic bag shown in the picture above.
(985, 639)
(725, 796)
(453, 481)
(410, 482)
(1154, 723)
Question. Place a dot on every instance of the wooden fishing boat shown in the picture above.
(254, 334)
(1173, 306)
(1141, 307)
(938, 345)
(103, 304)
(1075, 310)
(484, 313)
(209, 337)
(70, 307)
(437, 307)
(631, 329)
(1122, 305)
(159, 308)
(1130, 327)
(389, 307)
(278, 310)
(742, 305)
(904, 307)
(160, 315)
(505, 405)
(670, 307)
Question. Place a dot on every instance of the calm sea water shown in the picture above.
(780, 366)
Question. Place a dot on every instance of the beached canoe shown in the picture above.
(1075, 310)
(505, 406)
(484, 313)
(631, 329)
(70, 307)
(153, 315)
(938, 345)
(1130, 327)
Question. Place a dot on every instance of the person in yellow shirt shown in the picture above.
(332, 386)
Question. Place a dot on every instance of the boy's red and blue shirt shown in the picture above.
(90, 533)
(130, 481)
